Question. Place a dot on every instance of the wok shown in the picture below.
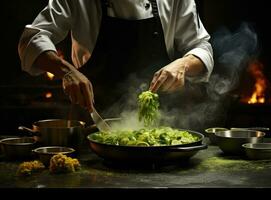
(147, 154)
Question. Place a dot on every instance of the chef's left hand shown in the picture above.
(171, 77)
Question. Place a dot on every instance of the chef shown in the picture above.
(162, 41)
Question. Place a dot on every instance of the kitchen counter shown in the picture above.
(208, 169)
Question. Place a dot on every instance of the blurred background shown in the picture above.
(232, 24)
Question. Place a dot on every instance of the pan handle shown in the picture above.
(185, 149)
(29, 131)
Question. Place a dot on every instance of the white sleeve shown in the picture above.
(192, 38)
(49, 28)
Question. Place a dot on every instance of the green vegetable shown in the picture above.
(148, 105)
(162, 136)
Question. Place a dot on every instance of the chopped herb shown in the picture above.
(148, 105)
(161, 136)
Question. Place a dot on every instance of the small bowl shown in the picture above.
(16, 148)
(210, 132)
(259, 151)
(46, 153)
(231, 141)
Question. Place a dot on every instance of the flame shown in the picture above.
(48, 95)
(50, 76)
(258, 95)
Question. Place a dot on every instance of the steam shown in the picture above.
(199, 106)
(128, 121)
(232, 52)
(127, 108)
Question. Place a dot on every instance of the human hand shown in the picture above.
(170, 78)
(77, 86)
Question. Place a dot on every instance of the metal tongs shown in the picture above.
(99, 121)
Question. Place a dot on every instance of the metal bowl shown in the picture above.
(231, 141)
(45, 153)
(210, 133)
(260, 151)
(17, 148)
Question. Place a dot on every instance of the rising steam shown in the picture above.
(232, 52)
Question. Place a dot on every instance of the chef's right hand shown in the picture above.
(77, 86)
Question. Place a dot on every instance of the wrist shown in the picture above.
(65, 68)
(194, 65)
(49, 61)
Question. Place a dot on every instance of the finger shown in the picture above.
(80, 98)
(168, 83)
(72, 98)
(154, 79)
(66, 89)
(92, 93)
(74, 93)
(68, 92)
(182, 76)
(174, 87)
(87, 94)
(65, 86)
(159, 82)
(178, 84)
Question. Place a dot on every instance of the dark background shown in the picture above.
(214, 14)
(16, 14)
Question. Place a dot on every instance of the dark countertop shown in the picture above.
(207, 169)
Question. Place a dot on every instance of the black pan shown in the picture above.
(147, 154)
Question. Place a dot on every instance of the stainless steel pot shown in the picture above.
(58, 132)
(231, 141)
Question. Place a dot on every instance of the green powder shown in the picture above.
(224, 164)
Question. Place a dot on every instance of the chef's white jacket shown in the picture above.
(183, 34)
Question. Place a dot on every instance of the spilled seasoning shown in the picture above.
(226, 164)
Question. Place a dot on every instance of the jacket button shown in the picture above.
(155, 33)
(147, 6)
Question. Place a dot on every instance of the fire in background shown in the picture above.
(256, 89)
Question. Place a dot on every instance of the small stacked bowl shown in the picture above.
(17, 148)
(259, 151)
(46, 153)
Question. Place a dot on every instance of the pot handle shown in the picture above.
(185, 149)
(29, 131)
